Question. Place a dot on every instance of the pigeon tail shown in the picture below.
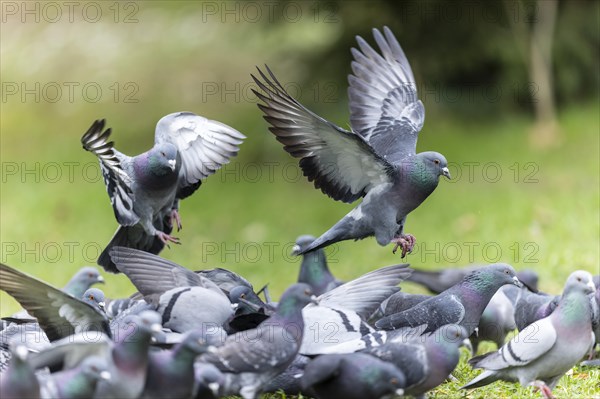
(485, 378)
(343, 230)
(131, 237)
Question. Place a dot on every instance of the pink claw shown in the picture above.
(175, 217)
(544, 389)
(406, 241)
(166, 239)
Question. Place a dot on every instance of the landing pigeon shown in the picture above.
(145, 190)
(544, 351)
(376, 159)
(461, 304)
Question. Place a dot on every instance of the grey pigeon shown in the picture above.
(426, 361)
(313, 269)
(209, 381)
(186, 300)
(461, 304)
(145, 190)
(289, 381)
(376, 159)
(76, 383)
(171, 372)
(352, 376)
(18, 381)
(82, 281)
(251, 358)
(440, 280)
(341, 313)
(58, 313)
(544, 351)
(531, 306)
(127, 357)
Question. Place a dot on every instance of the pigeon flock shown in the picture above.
(209, 333)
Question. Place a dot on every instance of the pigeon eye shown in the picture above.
(436, 161)
(394, 381)
(92, 297)
(578, 278)
(307, 292)
(90, 275)
(243, 296)
(163, 154)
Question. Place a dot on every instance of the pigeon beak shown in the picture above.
(211, 349)
(446, 172)
(466, 343)
(105, 375)
(214, 388)
(101, 305)
(21, 352)
(591, 286)
(234, 306)
(517, 282)
(156, 328)
(100, 280)
(296, 250)
(400, 392)
(314, 299)
(172, 163)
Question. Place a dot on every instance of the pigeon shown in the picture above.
(313, 269)
(544, 351)
(171, 373)
(461, 304)
(209, 381)
(426, 361)
(289, 380)
(531, 306)
(186, 300)
(251, 358)
(225, 279)
(58, 313)
(250, 311)
(82, 281)
(341, 313)
(76, 383)
(19, 380)
(145, 190)
(352, 376)
(376, 159)
(440, 280)
(127, 356)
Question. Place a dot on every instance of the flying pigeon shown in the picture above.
(376, 159)
(461, 304)
(352, 376)
(145, 190)
(251, 358)
(544, 351)
(313, 269)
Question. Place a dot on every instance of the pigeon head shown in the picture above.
(95, 368)
(424, 169)
(435, 163)
(529, 278)
(579, 281)
(95, 298)
(149, 321)
(302, 242)
(163, 159)
(82, 280)
(209, 378)
(386, 376)
(493, 277)
(295, 298)
(197, 343)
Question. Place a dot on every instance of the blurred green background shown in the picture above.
(510, 88)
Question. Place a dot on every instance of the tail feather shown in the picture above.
(485, 378)
(131, 237)
(345, 229)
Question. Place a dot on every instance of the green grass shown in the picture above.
(248, 223)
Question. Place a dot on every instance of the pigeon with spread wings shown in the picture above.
(377, 159)
(145, 190)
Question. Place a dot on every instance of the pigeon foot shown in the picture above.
(176, 218)
(544, 389)
(406, 241)
(166, 239)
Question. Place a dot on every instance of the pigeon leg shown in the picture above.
(544, 389)
(406, 241)
(165, 238)
(175, 218)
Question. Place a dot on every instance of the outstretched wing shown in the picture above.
(204, 145)
(384, 107)
(118, 183)
(58, 313)
(341, 163)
